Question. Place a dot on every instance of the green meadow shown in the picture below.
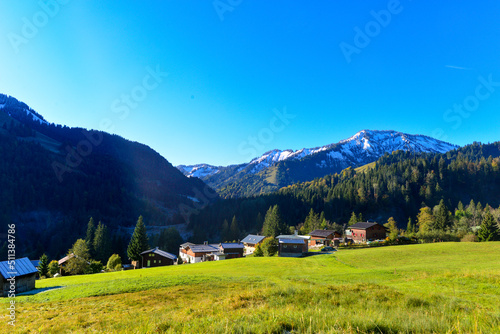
(431, 288)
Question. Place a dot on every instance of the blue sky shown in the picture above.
(428, 68)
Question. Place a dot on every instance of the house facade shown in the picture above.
(293, 245)
(199, 253)
(20, 274)
(364, 231)
(323, 237)
(157, 258)
(250, 242)
(232, 250)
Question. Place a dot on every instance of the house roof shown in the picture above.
(66, 258)
(253, 239)
(322, 233)
(203, 248)
(293, 236)
(184, 245)
(35, 263)
(232, 245)
(364, 225)
(292, 241)
(161, 253)
(20, 267)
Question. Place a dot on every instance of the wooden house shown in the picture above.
(293, 245)
(232, 250)
(17, 276)
(323, 237)
(157, 258)
(62, 263)
(251, 241)
(364, 231)
(200, 253)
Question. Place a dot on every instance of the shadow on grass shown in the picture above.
(37, 291)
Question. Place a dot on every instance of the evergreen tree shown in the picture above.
(270, 246)
(442, 219)
(138, 242)
(102, 243)
(225, 231)
(409, 226)
(234, 230)
(43, 266)
(89, 238)
(273, 223)
(169, 240)
(353, 220)
(258, 251)
(53, 267)
(489, 229)
(311, 223)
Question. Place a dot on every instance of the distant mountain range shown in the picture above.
(279, 168)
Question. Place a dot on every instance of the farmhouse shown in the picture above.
(251, 241)
(183, 251)
(232, 250)
(19, 273)
(293, 245)
(323, 237)
(364, 231)
(157, 258)
(200, 253)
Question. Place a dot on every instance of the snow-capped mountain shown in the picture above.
(364, 147)
(20, 110)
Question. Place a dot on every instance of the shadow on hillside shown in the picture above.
(37, 291)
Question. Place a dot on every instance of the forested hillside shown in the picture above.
(398, 186)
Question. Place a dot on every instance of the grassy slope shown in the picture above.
(447, 287)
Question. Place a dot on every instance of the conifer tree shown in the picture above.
(234, 230)
(273, 222)
(409, 226)
(225, 231)
(89, 238)
(442, 219)
(138, 242)
(353, 220)
(489, 229)
(102, 243)
(43, 266)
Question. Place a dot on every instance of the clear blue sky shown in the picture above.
(225, 77)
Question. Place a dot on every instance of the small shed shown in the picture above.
(295, 247)
(251, 241)
(62, 263)
(157, 258)
(17, 276)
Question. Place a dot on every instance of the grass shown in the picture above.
(431, 288)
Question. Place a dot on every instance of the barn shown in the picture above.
(323, 237)
(365, 231)
(157, 258)
(19, 273)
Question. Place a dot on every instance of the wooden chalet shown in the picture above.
(62, 263)
(18, 276)
(323, 237)
(232, 250)
(251, 241)
(157, 258)
(293, 245)
(366, 231)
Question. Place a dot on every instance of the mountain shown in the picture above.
(54, 178)
(276, 169)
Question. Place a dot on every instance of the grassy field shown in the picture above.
(432, 288)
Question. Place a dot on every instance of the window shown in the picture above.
(159, 261)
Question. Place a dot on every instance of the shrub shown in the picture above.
(270, 246)
(53, 267)
(469, 238)
(118, 267)
(114, 261)
(94, 267)
(258, 251)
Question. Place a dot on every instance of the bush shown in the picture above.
(436, 236)
(114, 261)
(270, 246)
(53, 268)
(118, 267)
(94, 267)
(469, 238)
(258, 251)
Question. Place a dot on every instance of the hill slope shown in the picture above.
(276, 169)
(404, 289)
(54, 178)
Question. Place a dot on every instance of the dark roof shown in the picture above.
(184, 245)
(203, 248)
(322, 233)
(363, 225)
(253, 239)
(161, 253)
(232, 245)
(18, 268)
(292, 241)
